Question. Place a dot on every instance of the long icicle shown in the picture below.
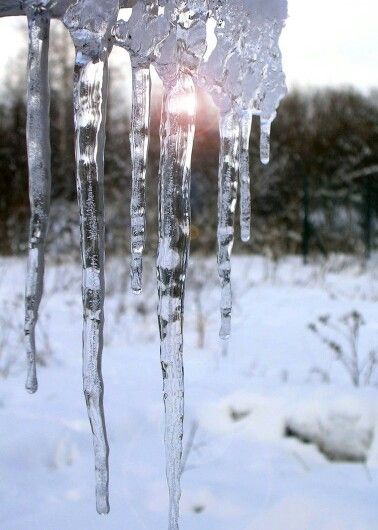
(244, 177)
(39, 164)
(140, 119)
(176, 137)
(227, 197)
(90, 95)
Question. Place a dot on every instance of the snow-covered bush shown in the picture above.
(342, 431)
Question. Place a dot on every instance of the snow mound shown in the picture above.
(342, 431)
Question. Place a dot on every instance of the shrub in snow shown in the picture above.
(345, 347)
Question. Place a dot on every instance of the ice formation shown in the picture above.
(38, 147)
(142, 36)
(242, 73)
(244, 76)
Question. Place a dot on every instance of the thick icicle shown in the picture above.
(244, 177)
(176, 136)
(265, 125)
(38, 147)
(140, 118)
(177, 66)
(227, 197)
(89, 23)
(90, 91)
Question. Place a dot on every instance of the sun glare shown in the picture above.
(183, 103)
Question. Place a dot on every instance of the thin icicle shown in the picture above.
(142, 36)
(265, 125)
(39, 160)
(176, 136)
(227, 197)
(244, 177)
(90, 92)
(140, 119)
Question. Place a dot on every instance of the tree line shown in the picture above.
(318, 194)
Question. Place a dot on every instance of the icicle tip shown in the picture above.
(225, 329)
(31, 384)
(245, 235)
(136, 283)
(102, 506)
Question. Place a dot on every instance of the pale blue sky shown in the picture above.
(326, 42)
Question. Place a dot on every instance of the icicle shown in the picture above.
(90, 93)
(142, 36)
(38, 147)
(177, 66)
(265, 125)
(227, 196)
(244, 177)
(140, 118)
(243, 71)
(176, 136)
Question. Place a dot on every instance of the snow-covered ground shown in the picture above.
(242, 472)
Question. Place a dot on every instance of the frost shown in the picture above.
(239, 65)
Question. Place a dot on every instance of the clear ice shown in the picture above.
(91, 36)
(177, 66)
(38, 148)
(242, 73)
(142, 36)
(227, 196)
(244, 76)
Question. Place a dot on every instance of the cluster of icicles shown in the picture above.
(227, 47)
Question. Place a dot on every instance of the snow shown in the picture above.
(242, 472)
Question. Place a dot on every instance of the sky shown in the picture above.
(327, 42)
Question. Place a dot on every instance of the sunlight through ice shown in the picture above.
(229, 49)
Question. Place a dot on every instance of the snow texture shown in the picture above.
(242, 472)
(343, 432)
